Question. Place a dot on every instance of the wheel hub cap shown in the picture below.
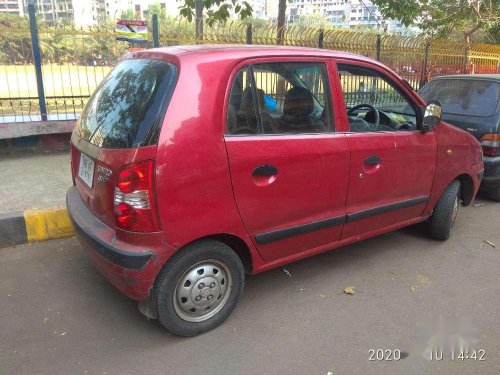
(202, 291)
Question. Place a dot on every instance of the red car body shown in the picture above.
(325, 195)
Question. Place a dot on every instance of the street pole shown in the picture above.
(37, 60)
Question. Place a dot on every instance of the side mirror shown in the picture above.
(432, 115)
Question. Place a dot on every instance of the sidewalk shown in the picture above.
(34, 181)
(32, 197)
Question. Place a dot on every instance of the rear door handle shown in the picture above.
(372, 160)
(265, 170)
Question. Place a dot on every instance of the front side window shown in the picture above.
(373, 102)
(280, 98)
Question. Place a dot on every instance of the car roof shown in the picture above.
(483, 77)
(249, 51)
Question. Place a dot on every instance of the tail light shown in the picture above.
(490, 144)
(135, 208)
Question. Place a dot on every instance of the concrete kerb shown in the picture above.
(34, 225)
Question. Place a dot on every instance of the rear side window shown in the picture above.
(280, 98)
(464, 97)
(128, 107)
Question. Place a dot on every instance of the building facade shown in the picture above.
(52, 10)
(14, 7)
(351, 14)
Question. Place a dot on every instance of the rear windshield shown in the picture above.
(126, 109)
(464, 97)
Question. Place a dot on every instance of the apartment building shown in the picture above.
(344, 13)
(14, 7)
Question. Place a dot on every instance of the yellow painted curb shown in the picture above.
(48, 224)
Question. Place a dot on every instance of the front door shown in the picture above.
(289, 169)
(392, 162)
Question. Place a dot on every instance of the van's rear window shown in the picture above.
(127, 108)
(464, 96)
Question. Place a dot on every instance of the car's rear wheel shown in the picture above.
(445, 212)
(198, 288)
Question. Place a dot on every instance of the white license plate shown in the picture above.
(86, 170)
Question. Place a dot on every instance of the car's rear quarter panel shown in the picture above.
(195, 196)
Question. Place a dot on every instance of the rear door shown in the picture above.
(289, 168)
(392, 162)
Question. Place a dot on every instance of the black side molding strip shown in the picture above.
(386, 208)
(280, 234)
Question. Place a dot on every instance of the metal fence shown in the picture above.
(50, 72)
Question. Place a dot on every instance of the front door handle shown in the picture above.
(265, 170)
(372, 160)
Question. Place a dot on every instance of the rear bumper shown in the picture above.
(491, 178)
(131, 268)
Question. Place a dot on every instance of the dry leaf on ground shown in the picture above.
(349, 290)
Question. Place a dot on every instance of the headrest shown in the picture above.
(247, 102)
(299, 102)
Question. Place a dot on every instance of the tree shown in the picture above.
(129, 14)
(313, 20)
(441, 17)
(281, 21)
(217, 10)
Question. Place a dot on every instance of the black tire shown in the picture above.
(445, 212)
(494, 194)
(166, 301)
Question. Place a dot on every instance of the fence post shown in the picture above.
(199, 19)
(425, 63)
(249, 33)
(321, 38)
(37, 60)
(156, 39)
(379, 46)
(465, 61)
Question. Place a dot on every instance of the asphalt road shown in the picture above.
(59, 316)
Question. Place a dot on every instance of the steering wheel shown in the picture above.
(372, 108)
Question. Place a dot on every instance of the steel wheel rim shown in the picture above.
(202, 291)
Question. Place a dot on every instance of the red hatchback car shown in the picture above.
(195, 165)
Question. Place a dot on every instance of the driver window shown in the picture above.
(373, 102)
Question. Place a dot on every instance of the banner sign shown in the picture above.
(131, 30)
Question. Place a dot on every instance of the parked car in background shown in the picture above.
(472, 102)
(195, 165)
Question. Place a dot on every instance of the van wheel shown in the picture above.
(198, 288)
(445, 212)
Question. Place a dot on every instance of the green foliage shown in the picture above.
(493, 35)
(313, 20)
(14, 47)
(443, 17)
(155, 9)
(217, 10)
(129, 14)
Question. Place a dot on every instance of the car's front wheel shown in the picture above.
(445, 212)
(198, 288)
